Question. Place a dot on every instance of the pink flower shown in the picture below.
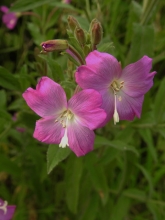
(122, 90)
(65, 123)
(6, 211)
(9, 18)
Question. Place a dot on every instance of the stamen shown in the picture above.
(115, 115)
(4, 207)
(64, 140)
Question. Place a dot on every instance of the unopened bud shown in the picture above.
(73, 23)
(54, 45)
(80, 35)
(96, 32)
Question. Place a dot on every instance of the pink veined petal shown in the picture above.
(129, 107)
(86, 107)
(4, 9)
(48, 131)
(86, 78)
(80, 139)
(136, 90)
(48, 99)
(136, 77)
(104, 64)
(108, 104)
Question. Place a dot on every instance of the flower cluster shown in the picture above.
(105, 92)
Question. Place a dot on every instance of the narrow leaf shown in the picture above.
(8, 80)
(55, 155)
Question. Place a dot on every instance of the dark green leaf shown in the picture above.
(8, 80)
(147, 137)
(21, 5)
(102, 141)
(142, 42)
(97, 176)
(74, 170)
(6, 165)
(55, 155)
(159, 104)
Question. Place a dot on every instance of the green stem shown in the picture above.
(72, 49)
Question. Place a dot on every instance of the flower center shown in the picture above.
(4, 206)
(116, 86)
(64, 119)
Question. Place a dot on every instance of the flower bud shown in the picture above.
(73, 23)
(80, 35)
(54, 45)
(96, 32)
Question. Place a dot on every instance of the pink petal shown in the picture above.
(86, 78)
(9, 214)
(48, 131)
(10, 211)
(4, 9)
(104, 64)
(136, 77)
(108, 104)
(48, 99)
(129, 107)
(86, 107)
(80, 139)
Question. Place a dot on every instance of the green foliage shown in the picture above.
(55, 155)
(123, 177)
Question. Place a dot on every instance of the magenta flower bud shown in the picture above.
(9, 18)
(54, 45)
(73, 23)
(80, 35)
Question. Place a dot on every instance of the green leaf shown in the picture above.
(55, 68)
(91, 211)
(8, 80)
(97, 176)
(36, 33)
(106, 47)
(102, 141)
(135, 13)
(121, 208)
(6, 165)
(74, 170)
(29, 119)
(148, 178)
(21, 5)
(2, 98)
(159, 104)
(147, 137)
(142, 42)
(56, 154)
(4, 114)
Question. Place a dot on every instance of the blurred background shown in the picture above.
(124, 177)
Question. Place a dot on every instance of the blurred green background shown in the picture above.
(124, 177)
